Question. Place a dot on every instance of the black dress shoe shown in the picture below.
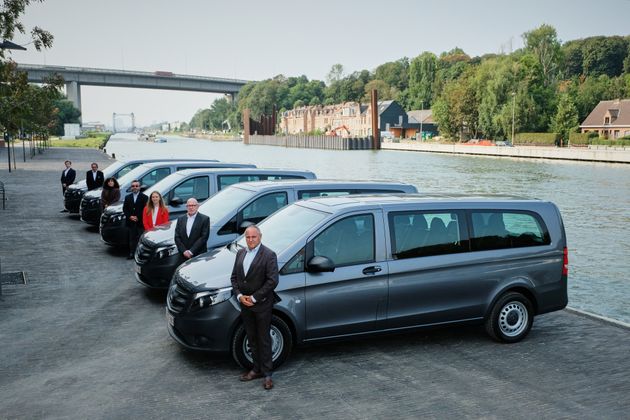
(64, 211)
(267, 383)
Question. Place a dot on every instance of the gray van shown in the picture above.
(148, 174)
(352, 266)
(180, 186)
(74, 193)
(236, 207)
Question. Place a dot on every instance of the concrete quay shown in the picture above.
(590, 154)
(84, 340)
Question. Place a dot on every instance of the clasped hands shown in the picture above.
(246, 300)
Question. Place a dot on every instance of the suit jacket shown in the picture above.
(197, 242)
(94, 184)
(147, 217)
(134, 209)
(261, 278)
(68, 179)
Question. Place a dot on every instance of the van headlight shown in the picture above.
(166, 251)
(211, 297)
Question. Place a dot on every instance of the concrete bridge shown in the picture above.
(75, 77)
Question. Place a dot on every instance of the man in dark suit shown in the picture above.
(254, 277)
(192, 231)
(67, 177)
(133, 207)
(94, 178)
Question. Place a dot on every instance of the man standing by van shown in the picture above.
(133, 207)
(94, 178)
(67, 177)
(192, 231)
(254, 277)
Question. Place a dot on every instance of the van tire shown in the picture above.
(282, 343)
(511, 318)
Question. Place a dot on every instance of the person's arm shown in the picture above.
(71, 176)
(237, 292)
(116, 194)
(271, 276)
(127, 209)
(178, 239)
(146, 219)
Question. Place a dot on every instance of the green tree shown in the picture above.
(65, 113)
(10, 23)
(422, 72)
(604, 55)
(566, 118)
(394, 73)
(335, 74)
(544, 45)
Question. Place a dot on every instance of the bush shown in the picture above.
(536, 139)
(604, 142)
(579, 139)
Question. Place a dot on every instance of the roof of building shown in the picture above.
(424, 115)
(618, 110)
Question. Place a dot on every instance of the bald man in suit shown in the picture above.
(254, 278)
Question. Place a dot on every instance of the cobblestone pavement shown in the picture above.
(83, 340)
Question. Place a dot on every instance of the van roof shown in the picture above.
(165, 160)
(333, 204)
(199, 163)
(247, 170)
(320, 183)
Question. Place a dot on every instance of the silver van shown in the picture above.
(148, 174)
(74, 193)
(351, 266)
(233, 209)
(180, 186)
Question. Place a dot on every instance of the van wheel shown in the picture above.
(511, 318)
(281, 344)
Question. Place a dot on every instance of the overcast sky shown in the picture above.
(255, 40)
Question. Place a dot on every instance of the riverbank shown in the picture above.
(590, 154)
(96, 337)
(216, 137)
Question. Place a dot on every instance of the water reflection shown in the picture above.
(594, 198)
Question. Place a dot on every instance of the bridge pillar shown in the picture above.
(73, 92)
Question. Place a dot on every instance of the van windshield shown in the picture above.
(286, 226)
(224, 203)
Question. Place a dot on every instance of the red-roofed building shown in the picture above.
(610, 119)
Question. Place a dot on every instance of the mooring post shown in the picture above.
(376, 133)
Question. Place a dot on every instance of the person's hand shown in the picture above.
(247, 300)
(188, 254)
(133, 218)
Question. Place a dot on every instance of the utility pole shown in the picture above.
(513, 106)
(421, 118)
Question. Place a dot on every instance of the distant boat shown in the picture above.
(160, 140)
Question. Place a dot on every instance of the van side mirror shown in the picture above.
(320, 264)
(176, 201)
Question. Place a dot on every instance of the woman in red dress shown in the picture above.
(155, 212)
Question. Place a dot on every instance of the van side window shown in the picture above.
(421, 234)
(227, 180)
(195, 187)
(295, 264)
(126, 169)
(155, 176)
(347, 242)
(276, 177)
(263, 206)
(507, 229)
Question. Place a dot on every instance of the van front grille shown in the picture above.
(178, 298)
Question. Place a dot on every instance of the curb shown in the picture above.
(604, 319)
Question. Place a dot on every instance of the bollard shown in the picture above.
(113, 155)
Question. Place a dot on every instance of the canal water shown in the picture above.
(594, 198)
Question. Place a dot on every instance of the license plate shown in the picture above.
(170, 319)
(137, 268)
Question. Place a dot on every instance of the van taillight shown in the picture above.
(565, 261)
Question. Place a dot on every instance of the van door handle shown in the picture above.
(372, 270)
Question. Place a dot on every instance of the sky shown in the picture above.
(256, 40)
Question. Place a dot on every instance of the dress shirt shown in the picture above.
(94, 175)
(135, 197)
(65, 173)
(250, 254)
(155, 212)
(189, 224)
